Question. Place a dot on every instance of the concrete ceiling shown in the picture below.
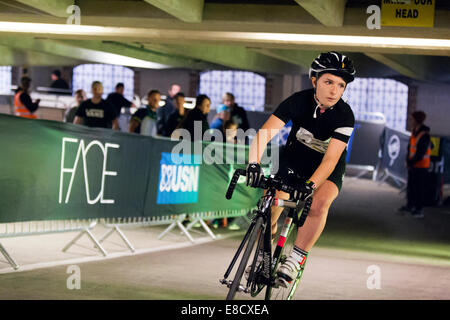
(256, 35)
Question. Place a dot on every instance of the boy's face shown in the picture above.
(80, 97)
(179, 102)
(329, 89)
(97, 90)
(227, 100)
(153, 100)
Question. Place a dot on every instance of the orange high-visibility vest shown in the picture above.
(425, 162)
(19, 108)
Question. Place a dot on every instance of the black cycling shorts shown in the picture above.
(291, 174)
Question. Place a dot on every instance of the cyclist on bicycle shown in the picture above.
(322, 124)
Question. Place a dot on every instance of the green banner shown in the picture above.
(52, 170)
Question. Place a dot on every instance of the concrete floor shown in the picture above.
(363, 231)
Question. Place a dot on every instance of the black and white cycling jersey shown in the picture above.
(312, 130)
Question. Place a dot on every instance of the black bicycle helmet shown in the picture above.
(335, 63)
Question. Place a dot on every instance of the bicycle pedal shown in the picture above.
(243, 289)
(240, 288)
(226, 282)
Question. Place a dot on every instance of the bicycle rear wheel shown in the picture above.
(275, 291)
(245, 257)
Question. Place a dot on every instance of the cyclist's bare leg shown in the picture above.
(317, 217)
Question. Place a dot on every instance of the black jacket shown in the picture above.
(189, 122)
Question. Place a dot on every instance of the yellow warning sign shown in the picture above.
(436, 141)
(407, 13)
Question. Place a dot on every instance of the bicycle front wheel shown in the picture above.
(245, 257)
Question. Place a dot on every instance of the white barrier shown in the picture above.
(28, 228)
(85, 226)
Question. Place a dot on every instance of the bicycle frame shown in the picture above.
(261, 222)
(264, 211)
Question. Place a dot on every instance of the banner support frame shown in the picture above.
(8, 257)
(90, 235)
(177, 222)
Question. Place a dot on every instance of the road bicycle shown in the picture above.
(263, 271)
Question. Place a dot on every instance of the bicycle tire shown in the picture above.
(272, 292)
(243, 264)
(255, 286)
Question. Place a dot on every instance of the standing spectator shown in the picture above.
(58, 83)
(177, 115)
(237, 113)
(197, 117)
(80, 96)
(417, 162)
(118, 100)
(166, 110)
(23, 105)
(223, 115)
(96, 112)
(144, 120)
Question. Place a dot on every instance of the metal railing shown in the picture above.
(115, 225)
(28, 228)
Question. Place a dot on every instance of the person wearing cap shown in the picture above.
(322, 124)
(417, 163)
(237, 114)
(222, 115)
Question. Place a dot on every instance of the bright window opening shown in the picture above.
(248, 88)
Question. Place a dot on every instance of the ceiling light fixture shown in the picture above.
(142, 34)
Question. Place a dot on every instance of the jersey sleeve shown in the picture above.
(285, 110)
(344, 125)
(292, 107)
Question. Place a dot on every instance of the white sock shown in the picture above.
(299, 255)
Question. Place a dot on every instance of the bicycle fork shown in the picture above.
(226, 282)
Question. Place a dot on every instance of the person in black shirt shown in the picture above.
(96, 112)
(177, 116)
(118, 100)
(144, 120)
(166, 110)
(58, 83)
(197, 118)
(237, 114)
(322, 124)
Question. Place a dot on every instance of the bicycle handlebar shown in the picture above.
(272, 182)
(266, 183)
(234, 180)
